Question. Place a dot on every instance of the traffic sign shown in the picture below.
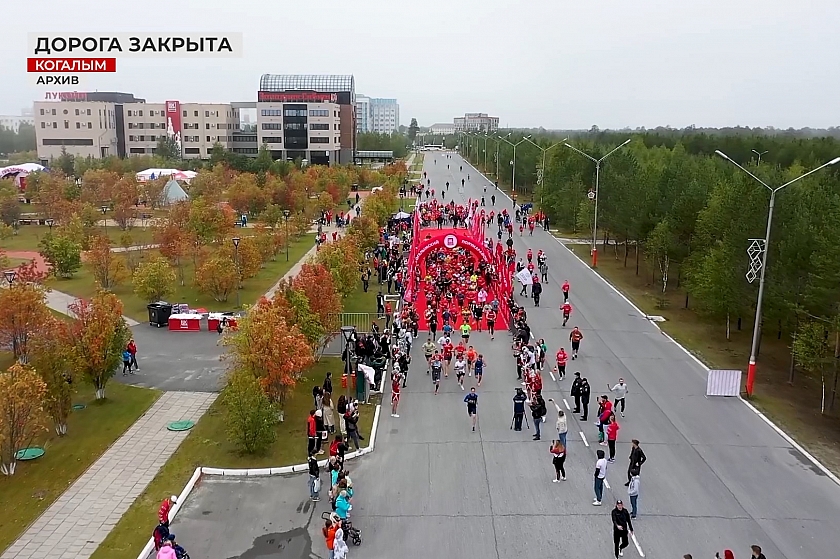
(591, 195)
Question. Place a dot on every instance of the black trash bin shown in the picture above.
(159, 313)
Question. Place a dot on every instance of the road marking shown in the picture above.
(606, 483)
(552, 376)
(565, 403)
(636, 543)
(582, 436)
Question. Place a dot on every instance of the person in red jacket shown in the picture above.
(612, 435)
(565, 288)
(165, 507)
(567, 311)
(312, 432)
(132, 349)
(562, 357)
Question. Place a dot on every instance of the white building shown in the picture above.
(13, 122)
(377, 115)
(476, 122)
(442, 128)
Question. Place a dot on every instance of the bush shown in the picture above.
(251, 417)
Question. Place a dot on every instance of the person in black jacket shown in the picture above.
(622, 527)
(575, 391)
(637, 458)
(314, 478)
(585, 391)
(536, 290)
(328, 387)
(538, 412)
(518, 409)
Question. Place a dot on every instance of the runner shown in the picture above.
(562, 357)
(565, 287)
(465, 332)
(471, 400)
(395, 394)
(429, 350)
(460, 371)
(471, 357)
(436, 367)
(575, 337)
(479, 368)
(491, 321)
(567, 311)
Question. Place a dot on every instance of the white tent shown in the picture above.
(20, 170)
(401, 215)
(151, 174)
(173, 193)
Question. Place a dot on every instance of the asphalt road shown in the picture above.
(716, 477)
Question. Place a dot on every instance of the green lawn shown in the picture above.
(37, 484)
(29, 236)
(207, 445)
(82, 285)
(795, 408)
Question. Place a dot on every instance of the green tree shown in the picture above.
(413, 129)
(167, 149)
(154, 280)
(251, 417)
(63, 255)
(813, 351)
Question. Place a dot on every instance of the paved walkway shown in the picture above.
(75, 525)
(60, 302)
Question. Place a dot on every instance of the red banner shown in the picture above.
(173, 121)
(296, 97)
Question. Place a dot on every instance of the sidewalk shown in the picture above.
(60, 302)
(75, 525)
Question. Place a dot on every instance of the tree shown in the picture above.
(167, 148)
(99, 334)
(295, 308)
(813, 351)
(22, 418)
(132, 257)
(341, 259)
(173, 242)
(716, 282)
(23, 315)
(154, 280)
(250, 414)
(366, 232)
(108, 268)
(54, 359)
(247, 257)
(124, 197)
(272, 350)
(316, 283)
(660, 245)
(63, 255)
(9, 210)
(413, 129)
(217, 277)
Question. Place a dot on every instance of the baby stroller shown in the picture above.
(350, 533)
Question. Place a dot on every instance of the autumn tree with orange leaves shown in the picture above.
(108, 268)
(54, 359)
(98, 335)
(23, 315)
(316, 282)
(22, 417)
(272, 350)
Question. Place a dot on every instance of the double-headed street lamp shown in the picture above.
(764, 249)
(597, 184)
(286, 214)
(238, 274)
(759, 154)
(10, 276)
(544, 151)
(513, 161)
(50, 222)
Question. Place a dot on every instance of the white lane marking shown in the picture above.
(638, 547)
(565, 403)
(585, 442)
(606, 483)
(552, 376)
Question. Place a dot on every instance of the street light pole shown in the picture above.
(513, 163)
(286, 219)
(544, 151)
(759, 154)
(597, 184)
(758, 306)
(238, 274)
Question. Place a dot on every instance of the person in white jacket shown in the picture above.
(620, 391)
(340, 548)
(633, 491)
(561, 425)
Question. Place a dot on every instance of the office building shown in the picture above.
(377, 115)
(101, 124)
(13, 122)
(476, 122)
(311, 117)
(442, 128)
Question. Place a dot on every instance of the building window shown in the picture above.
(295, 126)
(319, 112)
(271, 112)
(42, 112)
(185, 114)
(192, 151)
(294, 112)
(77, 112)
(55, 125)
(208, 138)
(137, 150)
(153, 138)
(66, 122)
(78, 125)
(68, 142)
(272, 126)
(53, 112)
(316, 126)
(140, 113)
(272, 140)
(195, 113)
(43, 124)
(317, 140)
(90, 126)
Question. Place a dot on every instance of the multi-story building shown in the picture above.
(13, 122)
(442, 128)
(476, 122)
(101, 124)
(362, 114)
(311, 117)
(377, 115)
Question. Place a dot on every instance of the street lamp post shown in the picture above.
(50, 222)
(513, 162)
(347, 334)
(10, 278)
(757, 325)
(544, 151)
(759, 154)
(597, 184)
(104, 219)
(238, 274)
(286, 214)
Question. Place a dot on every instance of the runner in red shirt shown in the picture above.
(567, 311)
(562, 357)
(490, 315)
(565, 288)
(447, 357)
(396, 379)
(575, 337)
(529, 255)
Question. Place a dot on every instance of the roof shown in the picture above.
(173, 192)
(375, 154)
(307, 82)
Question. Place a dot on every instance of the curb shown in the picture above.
(202, 471)
(705, 367)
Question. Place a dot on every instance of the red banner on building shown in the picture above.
(173, 121)
(296, 97)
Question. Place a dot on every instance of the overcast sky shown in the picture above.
(550, 63)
